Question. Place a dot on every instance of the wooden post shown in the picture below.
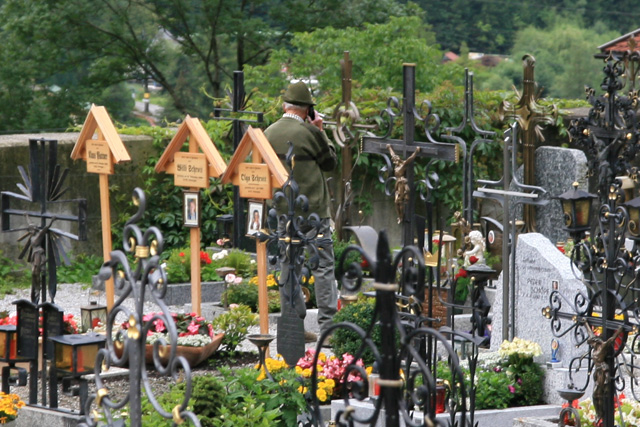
(101, 154)
(263, 298)
(206, 165)
(256, 143)
(105, 213)
(196, 286)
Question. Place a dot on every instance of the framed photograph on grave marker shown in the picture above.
(255, 214)
(191, 209)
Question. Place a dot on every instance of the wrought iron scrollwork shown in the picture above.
(293, 234)
(127, 347)
(407, 379)
(600, 318)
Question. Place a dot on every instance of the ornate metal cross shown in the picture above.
(238, 103)
(44, 187)
(407, 149)
(530, 116)
(345, 129)
(481, 136)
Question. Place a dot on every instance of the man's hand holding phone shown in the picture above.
(314, 118)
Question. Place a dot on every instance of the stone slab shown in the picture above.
(484, 418)
(539, 267)
(34, 416)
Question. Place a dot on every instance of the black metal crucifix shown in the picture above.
(44, 187)
(238, 103)
(481, 136)
(407, 148)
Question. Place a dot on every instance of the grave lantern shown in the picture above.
(633, 209)
(75, 354)
(8, 343)
(576, 206)
(92, 315)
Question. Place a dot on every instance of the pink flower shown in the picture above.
(231, 306)
(232, 279)
(193, 328)
(512, 389)
(220, 242)
(159, 324)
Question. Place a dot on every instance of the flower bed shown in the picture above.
(9, 406)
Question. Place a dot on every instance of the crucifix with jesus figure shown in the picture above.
(404, 152)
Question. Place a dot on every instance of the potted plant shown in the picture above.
(196, 338)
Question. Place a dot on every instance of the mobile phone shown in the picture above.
(312, 113)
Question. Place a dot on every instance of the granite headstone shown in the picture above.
(540, 268)
(556, 170)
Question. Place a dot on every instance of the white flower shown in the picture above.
(220, 255)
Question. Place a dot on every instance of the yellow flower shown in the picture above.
(322, 395)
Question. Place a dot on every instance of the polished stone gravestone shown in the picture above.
(556, 170)
(540, 268)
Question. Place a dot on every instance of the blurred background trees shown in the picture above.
(59, 56)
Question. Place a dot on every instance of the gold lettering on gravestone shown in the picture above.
(255, 181)
(191, 170)
(99, 157)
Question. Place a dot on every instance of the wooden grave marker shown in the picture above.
(256, 179)
(101, 154)
(192, 170)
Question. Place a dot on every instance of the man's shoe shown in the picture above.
(310, 337)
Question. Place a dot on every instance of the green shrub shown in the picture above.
(247, 294)
(81, 270)
(346, 340)
(235, 398)
(241, 261)
(12, 275)
(235, 324)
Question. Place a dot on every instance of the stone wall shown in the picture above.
(14, 152)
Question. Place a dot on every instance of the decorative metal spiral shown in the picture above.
(416, 388)
(128, 347)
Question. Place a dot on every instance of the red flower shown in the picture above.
(461, 273)
(181, 254)
(204, 257)
(473, 259)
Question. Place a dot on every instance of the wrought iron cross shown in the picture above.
(481, 136)
(238, 103)
(345, 128)
(44, 187)
(530, 116)
(408, 146)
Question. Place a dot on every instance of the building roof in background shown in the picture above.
(627, 43)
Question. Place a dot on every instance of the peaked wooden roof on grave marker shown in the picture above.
(98, 119)
(254, 139)
(191, 127)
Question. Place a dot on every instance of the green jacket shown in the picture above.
(314, 153)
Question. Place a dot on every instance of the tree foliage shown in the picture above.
(317, 55)
(564, 59)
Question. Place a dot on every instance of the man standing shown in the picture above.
(314, 153)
